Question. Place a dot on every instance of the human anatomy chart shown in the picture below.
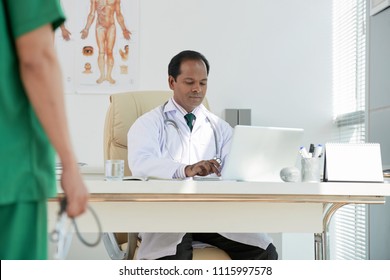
(98, 45)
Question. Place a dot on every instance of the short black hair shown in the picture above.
(176, 61)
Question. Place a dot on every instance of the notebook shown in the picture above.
(259, 153)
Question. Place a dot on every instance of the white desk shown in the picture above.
(227, 206)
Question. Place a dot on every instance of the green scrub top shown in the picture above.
(27, 159)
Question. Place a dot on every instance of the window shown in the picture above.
(348, 236)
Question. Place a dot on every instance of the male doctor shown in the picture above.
(183, 139)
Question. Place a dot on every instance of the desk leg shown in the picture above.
(321, 240)
(319, 243)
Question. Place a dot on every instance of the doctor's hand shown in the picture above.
(203, 168)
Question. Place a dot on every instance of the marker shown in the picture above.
(303, 152)
(318, 151)
(311, 149)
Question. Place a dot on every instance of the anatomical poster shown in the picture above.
(98, 46)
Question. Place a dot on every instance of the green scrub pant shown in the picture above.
(23, 231)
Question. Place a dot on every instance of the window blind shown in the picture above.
(348, 234)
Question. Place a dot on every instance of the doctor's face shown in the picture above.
(190, 86)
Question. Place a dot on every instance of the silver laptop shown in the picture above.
(259, 153)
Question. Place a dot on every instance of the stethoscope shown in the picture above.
(168, 121)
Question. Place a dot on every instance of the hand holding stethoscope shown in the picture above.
(204, 168)
(62, 232)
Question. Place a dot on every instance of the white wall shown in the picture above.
(273, 57)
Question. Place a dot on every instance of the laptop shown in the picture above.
(259, 153)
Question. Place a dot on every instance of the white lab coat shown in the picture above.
(156, 149)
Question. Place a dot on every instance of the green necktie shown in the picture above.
(190, 117)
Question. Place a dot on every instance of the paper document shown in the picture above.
(134, 178)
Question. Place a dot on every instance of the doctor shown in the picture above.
(183, 139)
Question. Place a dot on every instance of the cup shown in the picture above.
(311, 169)
(114, 169)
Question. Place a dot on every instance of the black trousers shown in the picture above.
(236, 250)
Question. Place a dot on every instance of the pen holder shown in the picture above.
(311, 169)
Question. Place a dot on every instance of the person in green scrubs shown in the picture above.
(33, 127)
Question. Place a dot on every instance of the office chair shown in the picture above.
(123, 110)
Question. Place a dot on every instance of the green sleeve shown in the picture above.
(26, 16)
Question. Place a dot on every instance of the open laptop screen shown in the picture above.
(259, 153)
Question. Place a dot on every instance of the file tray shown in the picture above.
(349, 162)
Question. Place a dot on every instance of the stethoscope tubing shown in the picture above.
(168, 121)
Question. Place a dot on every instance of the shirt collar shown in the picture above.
(182, 110)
